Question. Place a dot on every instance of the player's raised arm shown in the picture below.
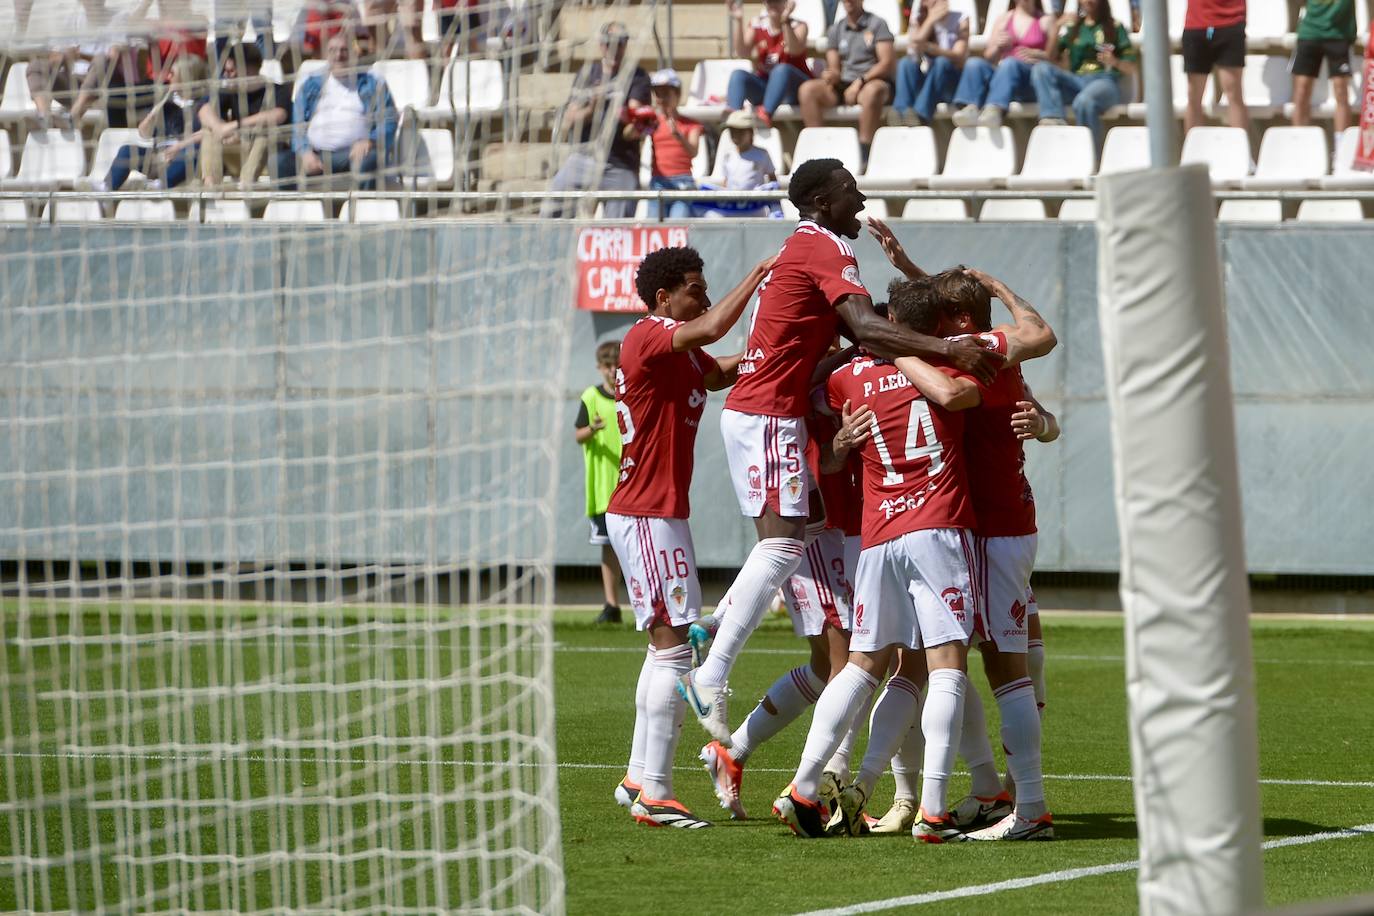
(890, 340)
(951, 392)
(716, 322)
(1029, 336)
(885, 237)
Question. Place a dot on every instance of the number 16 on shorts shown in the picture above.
(660, 568)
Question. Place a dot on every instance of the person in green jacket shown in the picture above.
(1325, 33)
(598, 432)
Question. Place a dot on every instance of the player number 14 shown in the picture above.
(921, 442)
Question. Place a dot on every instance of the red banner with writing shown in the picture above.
(608, 258)
(1364, 148)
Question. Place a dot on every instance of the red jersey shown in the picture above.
(840, 492)
(771, 49)
(1214, 14)
(670, 159)
(794, 322)
(913, 465)
(1002, 497)
(659, 398)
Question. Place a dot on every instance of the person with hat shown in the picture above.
(746, 167)
(596, 95)
(676, 140)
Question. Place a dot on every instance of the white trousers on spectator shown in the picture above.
(577, 174)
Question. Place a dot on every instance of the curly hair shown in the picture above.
(809, 178)
(665, 269)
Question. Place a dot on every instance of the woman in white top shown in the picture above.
(938, 35)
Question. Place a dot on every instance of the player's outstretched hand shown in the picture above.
(1028, 422)
(969, 354)
(896, 254)
(855, 427)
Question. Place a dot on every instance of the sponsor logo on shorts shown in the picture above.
(794, 486)
(798, 595)
(859, 620)
(755, 478)
(955, 600)
(678, 594)
(1018, 614)
(636, 589)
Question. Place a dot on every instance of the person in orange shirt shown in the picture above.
(676, 140)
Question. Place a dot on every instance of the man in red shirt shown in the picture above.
(812, 288)
(661, 391)
(1214, 38)
(914, 582)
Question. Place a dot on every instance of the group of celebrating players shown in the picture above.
(886, 484)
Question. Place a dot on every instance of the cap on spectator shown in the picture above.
(740, 120)
(614, 33)
(665, 78)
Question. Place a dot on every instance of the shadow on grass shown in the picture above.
(1102, 825)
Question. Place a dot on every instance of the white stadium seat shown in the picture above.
(1290, 157)
(145, 211)
(1056, 158)
(890, 11)
(1343, 175)
(294, 211)
(935, 209)
(13, 211)
(225, 211)
(52, 159)
(765, 138)
(840, 143)
(1224, 150)
(1266, 84)
(1078, 210)
(73, 211)
(1267, 23)
(272, 72)
(6, 161)
(874, 208)
(406, 80)
(1012, 210)
(977, 157)
(1178, 81)
(429, 163)
(812, 12)
(901, 158)
(1250, 211)
(107, 147)
(370, 210)
(468, 87)
(1342, 210)
(706, 94)
(16, 103)
(1126, 149)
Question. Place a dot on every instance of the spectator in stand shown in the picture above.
(1020, 39)
(746, 167)
(171, 157)
(315, 22)
(239, 120)
(939, 36)
(594, 96)
(1057, 8)
(460, 25)
(1214, 38)
(1099, 51)
(1326, 31)
(776, 43)
(179, 50)
(676, 141)
(860, 65)
(70, 72)
(343, 121)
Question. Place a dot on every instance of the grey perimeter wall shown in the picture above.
(381, 394)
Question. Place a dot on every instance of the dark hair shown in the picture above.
(247, 57)
(961, 294)
(608, 351)
(915, 305)
(808, 179)
(667, 269)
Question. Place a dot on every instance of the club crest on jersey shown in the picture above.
(794, 486)
(1018, 614)
(678, 594)
(955, 600)
(851, 275)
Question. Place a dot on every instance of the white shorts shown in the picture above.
(819, 591)
(915, 591)
(767, 464)
(1004, 568)
(660, 568)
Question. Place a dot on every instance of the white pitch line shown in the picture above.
(1054, 877)
(220, 753)
(1049, 656)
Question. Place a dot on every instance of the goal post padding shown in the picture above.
(1189, 669)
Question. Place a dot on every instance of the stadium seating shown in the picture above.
(1012, 210)
(370, 210)
(427, 158)
(1056, 158)
(1343, 177)
(977, 157)
(107, 147)
(875, 208)
(16, 103)
(812, 12)
(467, 88)
(935, 209)
(1290, 157)
(1267, 86)
(145, 211)
(840, 143)
(225, 211)
(901, 158)
(406, 80)
(13, 211)
(1250, 211)
(1178, 82)
(1330, 211)
(294, 211)
(6, 162)
(1078, 210)
(73, 211)
(1266, 24)
(706, 92)
(52, 159)
(1224, 150)
(765, 138)
(1126, 149)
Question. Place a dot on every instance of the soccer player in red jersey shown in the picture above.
(661, 390)
(814, 285)
(914, 582)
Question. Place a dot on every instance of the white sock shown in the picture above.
(941, 722)
(634, 772)
(1021, 738)
(835, 711)
(839, 761)
(975, 748)
(893, 715)
(769, 564)
(665, 721)
(906, 764)
(1035, 666)
(790, 696)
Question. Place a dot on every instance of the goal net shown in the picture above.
(276, 560)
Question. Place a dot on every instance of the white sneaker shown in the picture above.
(991, 117)
(1053, 122)
(966, 116)
(974, 812)
(726, 776)
(626, 792)
(1016, 827)
(829, 789)
(709, 705)
(898, 818)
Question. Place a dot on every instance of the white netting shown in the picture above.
(276, 562)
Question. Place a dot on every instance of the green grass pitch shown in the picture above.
(1314, 678)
